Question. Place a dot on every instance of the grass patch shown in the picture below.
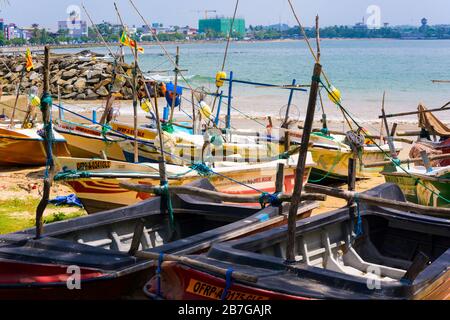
(18, 214)
(60, 216)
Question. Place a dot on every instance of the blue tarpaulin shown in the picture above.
(70, 200)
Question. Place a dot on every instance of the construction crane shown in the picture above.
(206, 12)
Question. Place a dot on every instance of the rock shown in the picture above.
(80, 96)
(102, 91)
(71, 81)
(104, 83)
(69, 96)
(69, 74)
(127, 93)
(100, 66)
(68, 89)
(18, 68)
(93, 81)
(92, 73)
(105, 76)
(61, 82)
(38, 66)
(92, 96)
(80, 85)
(33, 75)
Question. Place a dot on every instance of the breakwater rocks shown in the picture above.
(82, 76)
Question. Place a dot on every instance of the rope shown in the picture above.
(71, 174)
(202, 169)
(46, 104)
(335, 163)
(167, 127)
(272, 199)
(358, 227)
(158, 273)
(228, 283)
(166, 194)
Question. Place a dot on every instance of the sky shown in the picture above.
(256, 12)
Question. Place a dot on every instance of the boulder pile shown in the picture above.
(78, 77)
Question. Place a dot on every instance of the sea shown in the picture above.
(361, 69)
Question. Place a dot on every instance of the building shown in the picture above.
(188, 31)
(221, 25)
(73, 29)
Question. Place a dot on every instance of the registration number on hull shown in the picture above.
(214, 292)
(93, 165)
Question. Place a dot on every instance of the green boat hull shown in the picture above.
(427, 193)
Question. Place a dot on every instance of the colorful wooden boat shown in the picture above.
(25, 147)
(181, 147)
(96, 182)
(429, 188)
(88, 141)
(98, 245)
(331, 155)
(399, 255)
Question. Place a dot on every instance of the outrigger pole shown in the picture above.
(300, 171)
(46, 105)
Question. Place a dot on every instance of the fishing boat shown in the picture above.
(398, 255)
(429, 187)
(331, 153)
(98, 247)
(96, 181)
(25, 146)
(88, 141)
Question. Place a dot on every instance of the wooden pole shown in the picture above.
(426, 160)
(194, 129)
(414, 160)
(318, 38)
(135, 102)
(162, 160)
(352, 184)
(386, 125)
(394, 129)
(214, 195)
(175, 83)
(22, 74)
(300, 171)
(402, 114)
(46, 105)
(370, 136)
(279, 183)
(386, 203)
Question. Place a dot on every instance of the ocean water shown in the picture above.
(360, 69)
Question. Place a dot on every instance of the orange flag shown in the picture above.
(29, 59)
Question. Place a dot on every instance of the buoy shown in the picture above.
(35, 101)
(219, 78)
(205, 110)
(334, 95)
(146, 105)
(163, 88)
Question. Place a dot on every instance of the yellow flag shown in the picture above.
(126, 41)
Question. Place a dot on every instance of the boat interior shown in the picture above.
(196, 221)
(386, 251)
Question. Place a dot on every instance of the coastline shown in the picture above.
(18, 49)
